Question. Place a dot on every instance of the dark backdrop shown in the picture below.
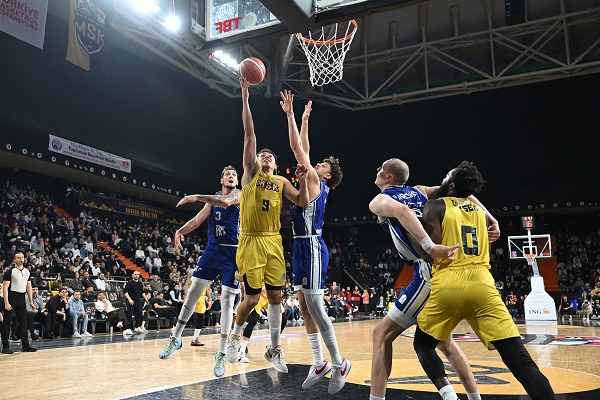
(534, 143)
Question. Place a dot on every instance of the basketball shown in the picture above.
(253, 70)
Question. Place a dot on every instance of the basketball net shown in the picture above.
(530, 258)
(326, 55)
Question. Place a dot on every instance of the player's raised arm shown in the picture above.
(249, 160)
(304, 128)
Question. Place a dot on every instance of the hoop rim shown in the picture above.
(330, 42)
(530, 258)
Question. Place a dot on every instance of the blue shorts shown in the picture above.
(310, 259)
(218, 260)
(410, 303)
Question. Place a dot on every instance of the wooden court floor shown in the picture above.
(115, 367)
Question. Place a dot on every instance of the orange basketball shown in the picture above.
(253, 70)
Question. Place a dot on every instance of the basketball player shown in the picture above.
(260, 253)
(464, 288)
(223, 214)
(310, 254)
(397, 197)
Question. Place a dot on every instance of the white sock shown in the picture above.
(243, 346)
(237, 330)
(196, 333)
(274, 315)
(448, 393)
(315, 345)
(331, 343)
(223, 345)
(474, 396)
(373, 397)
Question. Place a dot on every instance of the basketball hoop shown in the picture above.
(530, 258)
(326, 56)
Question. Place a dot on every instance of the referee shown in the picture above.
(16, 283)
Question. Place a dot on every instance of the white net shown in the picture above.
(326, 52)
(530, 258)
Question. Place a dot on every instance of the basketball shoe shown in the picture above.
(315, 374)
(338, 376)
(233, 348)
(174, 344)
(219, 369)
(275, 356)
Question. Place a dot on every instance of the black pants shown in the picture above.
(17, 302)
(134, 310)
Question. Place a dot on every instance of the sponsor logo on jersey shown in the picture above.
(266, 184)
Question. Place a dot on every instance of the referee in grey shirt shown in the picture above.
(17, 282)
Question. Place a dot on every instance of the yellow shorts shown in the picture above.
(470, 294)
(260, 259)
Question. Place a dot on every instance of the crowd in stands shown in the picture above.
(86, 254)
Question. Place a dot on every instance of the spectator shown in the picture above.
(139, 256)
(86, 281)
(163, 309)
(56, 311)
(77, 310)
(381, 306)
(565, 308)
(133, 305)
(101, 283)
(35, 315)
(215, 311)
(76, 283)
(177, 297)
(116, 316)
(155, 283)
(89, 294)
(334, 290)
(366, 298)
(146, 307)
(293, 304)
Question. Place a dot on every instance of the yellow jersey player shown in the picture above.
(464, 288)
(260, 252)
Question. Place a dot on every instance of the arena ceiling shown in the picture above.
(530, 135)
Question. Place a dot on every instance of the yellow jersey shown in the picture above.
(260, 205)
(263, 302)
(464, 223)
(200, 305)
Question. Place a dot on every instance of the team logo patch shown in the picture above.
(305, 281)
(402, 299)
(90, 26)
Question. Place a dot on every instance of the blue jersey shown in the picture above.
(308, 221)
(224, 224)
(415, 200)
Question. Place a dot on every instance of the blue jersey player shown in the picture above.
(398, 208)
(311, 256)
(222, 212)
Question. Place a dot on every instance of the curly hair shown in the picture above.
(335, 171)
(467, 179)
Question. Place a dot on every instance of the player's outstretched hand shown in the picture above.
(178, 239)
(307, 110)
(187, 199)
(301, 171)
(444, 252)
(287, 101)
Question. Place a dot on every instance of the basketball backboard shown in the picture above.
(540, 245)
(233, 20)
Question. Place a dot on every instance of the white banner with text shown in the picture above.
(25, 20)
(87, 153)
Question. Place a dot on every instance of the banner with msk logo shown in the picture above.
(25, 20)
(87, 153)
(89, 27)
